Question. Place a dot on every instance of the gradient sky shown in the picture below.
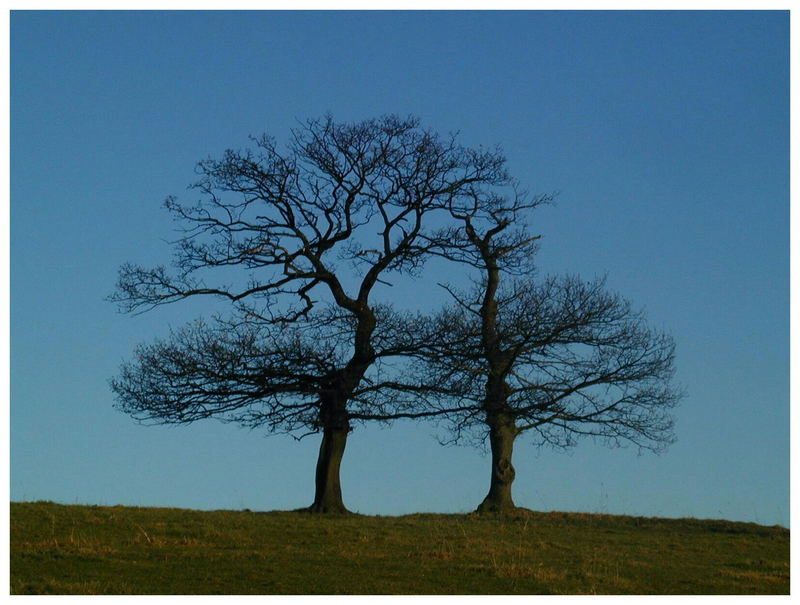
(666, 134)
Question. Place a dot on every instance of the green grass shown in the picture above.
(58, 549)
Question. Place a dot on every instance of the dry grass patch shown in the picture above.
(58, 549)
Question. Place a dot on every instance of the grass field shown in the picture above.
(58, 549)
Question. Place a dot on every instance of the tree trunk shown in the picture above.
(335, 422)
(502, 433)
(328, 496)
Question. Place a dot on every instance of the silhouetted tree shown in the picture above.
(558, 357)
(313, 228)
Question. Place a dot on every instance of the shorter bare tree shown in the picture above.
(559, 358)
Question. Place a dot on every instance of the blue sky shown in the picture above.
(666, 134)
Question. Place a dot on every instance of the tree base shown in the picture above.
(327, 509)
(493, 507)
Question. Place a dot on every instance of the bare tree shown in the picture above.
(558, 357)
(312, 230)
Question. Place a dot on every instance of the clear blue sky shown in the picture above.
(666, 134)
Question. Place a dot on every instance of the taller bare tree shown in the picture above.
(559, 357)
(322, 221)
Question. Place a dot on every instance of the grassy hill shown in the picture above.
(122, 550)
